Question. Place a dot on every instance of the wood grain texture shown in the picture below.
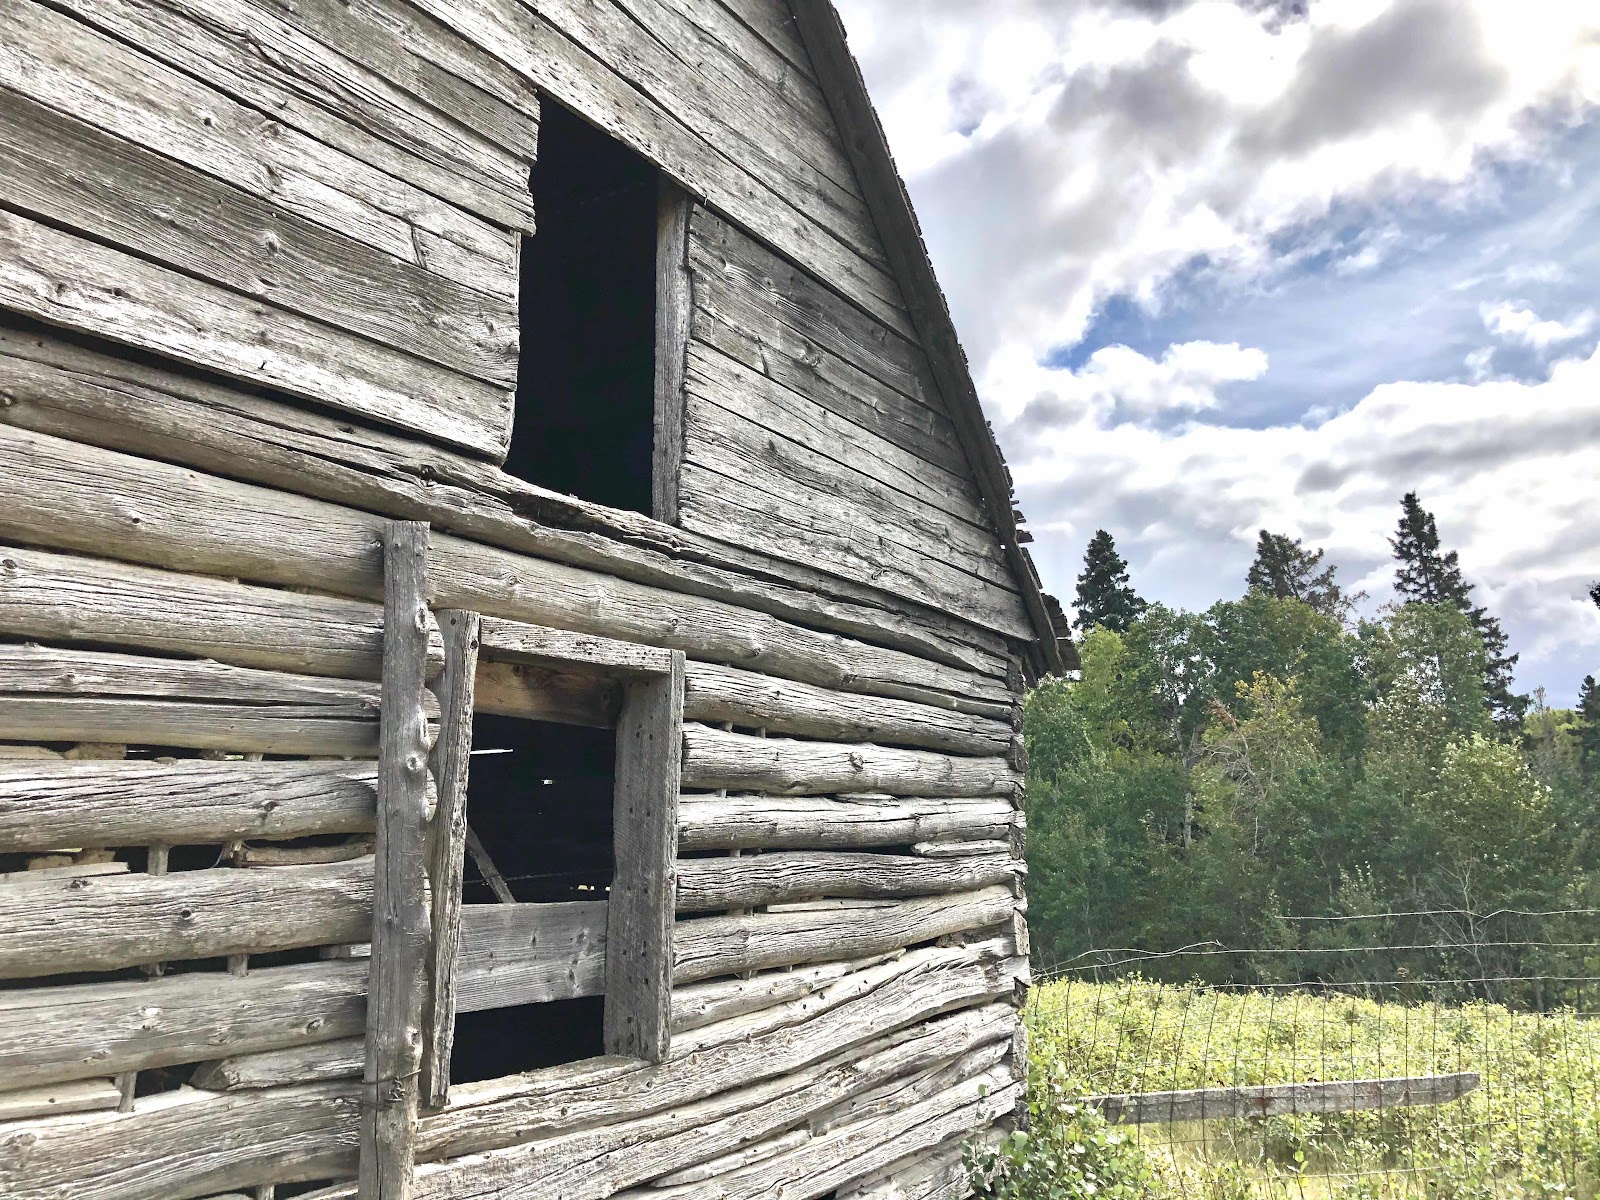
(400, 915)
(715, 758)
(115, 921)
(798, 823)
(85, 1095)
(535, 693)
(450, 768)
(514, 954)
(71, 281)
(316, 1063)
(674, 313)
(710, 946)
(351, 732)
(639, 930)
(751, 881)
(60, 388)
(518, 641)
(1281, 1099)
(54, 1033)
(714, 694)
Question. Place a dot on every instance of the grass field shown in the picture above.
(1531, 1129)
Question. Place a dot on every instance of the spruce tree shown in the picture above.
(1425, 576)
(1286, 569)
(1589, 727)
(1105, 596)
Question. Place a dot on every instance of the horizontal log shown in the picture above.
(698, 1004)
(118, 921)
(984, 848)
(728, 945)
(57, 1099)
(727, 1163)
(538, 693)
(751, 881)
(513, 954)
(184, 1144)
(182, 802)
(350, 732)
(517, 641)
(316, 1063)
(937, 1174)
(805, 822)
(51, 1034)
(62, 388)
(70, 496)
(907, 1090)
(715, 758)
(64, 597)
(1283, 1099)
(715, 693)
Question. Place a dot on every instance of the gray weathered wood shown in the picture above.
(845, 823)
(715, 693)
(726, 1163)
(909, 1089)
(65, 597)
(270, 729)
(80, 1096)
(287, 856)
(115, 921)
(751, 881)
(400, 917)
(55, 277)
(674, 313)
(698, 1004)
(54, 1033)
(638, 1011)
(205, 1142)
(715, 758)
(515, 954)
(450, 768)
(44, 805)
(341, 1059)
(64, 389)
(518, 641)
(1273, 1100)
(538, 693)
(730, 944)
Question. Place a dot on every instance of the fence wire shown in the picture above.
(1497, 1036)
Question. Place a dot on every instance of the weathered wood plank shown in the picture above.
(712, 946)
(800, 823)
(63, 63)
(53, 1100)
(1281, 1099)
(674, 314)
(450, 768)
(750, 881)
(185, 802)
(65, 280)
(638, 1011)
(57, 387)
(515, 954)
(115, 921)
(517, 641)
(715, 758)
(540, 694)
(697, 1004)
(184, 1144)
(63, 597)
(53, 1033)
(349, 732)
(400, 916)
(342, 1059)
(715, 693)
(79, 177)
(245, 51)
(205, 523)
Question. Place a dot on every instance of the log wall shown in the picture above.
(258, 299)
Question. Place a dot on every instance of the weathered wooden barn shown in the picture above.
(511, 618)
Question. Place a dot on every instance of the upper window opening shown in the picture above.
(586, 382)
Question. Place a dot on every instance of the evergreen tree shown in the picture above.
(1105, 598)
(1589, 728)
(1287, 570)
(1425, 576)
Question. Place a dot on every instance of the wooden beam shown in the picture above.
(838, 823)
(674, 314)
(1283, 1099)
(518, 641)
(400, 918)
(543, 693)
(514, 954)
(638, 1011)
(316, 1063)
(752, 881)
(80, 1096)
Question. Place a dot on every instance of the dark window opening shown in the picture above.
(539, 802)
(586, 383)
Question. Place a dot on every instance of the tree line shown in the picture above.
(1252, 777)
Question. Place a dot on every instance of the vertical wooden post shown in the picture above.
(638, 1016)
(452, 754)
(674, 312)
(399, 905)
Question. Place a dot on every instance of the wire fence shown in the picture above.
(1465, 1067)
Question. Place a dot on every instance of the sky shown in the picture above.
(1221, 265)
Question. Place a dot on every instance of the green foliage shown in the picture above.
(1286, 570)
(1588, 727)
(1105, 597)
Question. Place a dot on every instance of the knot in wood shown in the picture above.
(416, 763)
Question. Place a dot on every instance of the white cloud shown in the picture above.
(1522, 325)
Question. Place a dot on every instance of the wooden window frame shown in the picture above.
(540, 673)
